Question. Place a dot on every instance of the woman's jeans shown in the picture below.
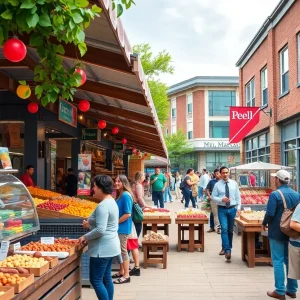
(138, 228)
(188, 196)
(167, 194)
(100, 277)
(280, 257)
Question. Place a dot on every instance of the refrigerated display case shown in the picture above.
(18, 216)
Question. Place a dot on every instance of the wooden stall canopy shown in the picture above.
(116, 86)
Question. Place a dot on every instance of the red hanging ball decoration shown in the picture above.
(133, 150)
(115, 130)
(83, 75)
(84, 105)
(14, 50)
(124, 141)
(32, 107)
(102, 124)
(138, 153)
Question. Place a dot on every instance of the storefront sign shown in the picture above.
(91, 134)
(84, 174)
(67, 113)
(128, 152)
(215, 145)
(242, 121)
(5, 159)
(119, 146)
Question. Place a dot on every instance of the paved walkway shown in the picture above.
(197, 276)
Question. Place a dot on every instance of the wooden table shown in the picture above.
(192, 226)
(157, 258)
(61, 282)
(249, 252)
(155, 224)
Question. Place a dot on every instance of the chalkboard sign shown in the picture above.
(244, 180)
(119, 146)
(128, 152)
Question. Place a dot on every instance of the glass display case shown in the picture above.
(18, 216)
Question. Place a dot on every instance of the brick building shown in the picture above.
(200, 107)
(269, 72)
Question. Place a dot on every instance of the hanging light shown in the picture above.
(32, 107)
(84, 105)
(124, 141)
(115, 130)
(102, 124)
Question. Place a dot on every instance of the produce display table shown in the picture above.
(248, 251)
(157, 258)
(155, 224)
(61, 282)
(192, 226)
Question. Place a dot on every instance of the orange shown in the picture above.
(23, 91)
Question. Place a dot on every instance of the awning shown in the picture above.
(156, 161)
(262, 166)
(116, 86)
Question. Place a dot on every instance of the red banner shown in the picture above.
(242, 121)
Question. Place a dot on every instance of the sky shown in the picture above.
(204, 37)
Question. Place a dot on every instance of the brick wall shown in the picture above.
(199, 114)
(181, 112)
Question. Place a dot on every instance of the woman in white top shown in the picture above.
(178, 180)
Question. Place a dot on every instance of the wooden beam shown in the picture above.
(119, 112)
(6, 64)
(113, 92)
(94, 56)
(113, 119)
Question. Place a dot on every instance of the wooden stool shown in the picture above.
(157, 258)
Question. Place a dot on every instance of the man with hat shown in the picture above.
(278, 240)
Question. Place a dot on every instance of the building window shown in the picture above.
(264, 86)
(298, 38)
(189, 104)
(167, 131)
(258, 149)
(219, 129)
(190, 131)
(220, 101)
(173, 112)
(284, 70)
(250, 93)
(218, 159)
(173, 129)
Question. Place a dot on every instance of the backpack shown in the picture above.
(182, 185)
(286, 220)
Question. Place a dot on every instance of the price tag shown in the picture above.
(4, 249)
(17, 246)
(47, 240)
(247, 208)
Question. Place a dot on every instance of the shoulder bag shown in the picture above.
(286, 220)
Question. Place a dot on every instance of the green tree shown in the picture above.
(178, 146)
(154, 66)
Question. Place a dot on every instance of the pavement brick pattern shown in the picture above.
(197, 276)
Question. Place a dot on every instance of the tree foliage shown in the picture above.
(178, 145)
(153, 67)
(42, 20)
(120, 5)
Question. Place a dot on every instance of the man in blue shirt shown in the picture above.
(278, 240)
(226, 194)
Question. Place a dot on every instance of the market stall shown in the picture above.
(191, 221)
(46, 268)
(250, 224)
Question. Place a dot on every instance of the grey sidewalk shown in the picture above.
(197, 276)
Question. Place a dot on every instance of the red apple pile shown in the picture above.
(52, 206)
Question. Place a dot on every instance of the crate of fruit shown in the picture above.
(6, 292)
(252, 217)
(18, 281)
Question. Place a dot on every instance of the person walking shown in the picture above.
(124, 201)
(215, 224)
(158, 183)
(279, 242)
(187, 190)
(204, 179)
(102, 238)
(167, 192)
(294, 248)
(178, 180)
(227, 196)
